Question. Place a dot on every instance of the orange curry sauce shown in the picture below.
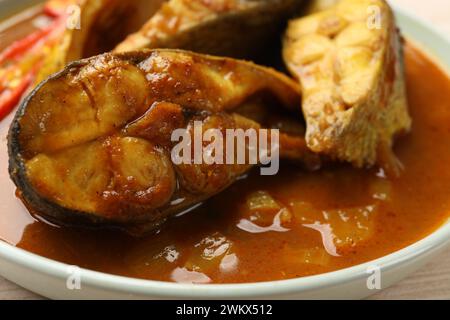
(368, 215)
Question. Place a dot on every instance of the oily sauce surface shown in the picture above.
(311, 222)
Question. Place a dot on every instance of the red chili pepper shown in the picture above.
(51, 12)
(21, 46)
(9, 98)
(56, 8)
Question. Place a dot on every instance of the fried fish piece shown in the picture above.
(97, 26)
(234, 28)
(92, 145)
(349, 61)
(198, 25)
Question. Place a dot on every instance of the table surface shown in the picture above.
(432, 281)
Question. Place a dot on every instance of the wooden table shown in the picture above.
(432, 281)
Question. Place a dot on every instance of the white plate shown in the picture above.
(48, 277)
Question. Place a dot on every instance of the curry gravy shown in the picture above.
(323, 221)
